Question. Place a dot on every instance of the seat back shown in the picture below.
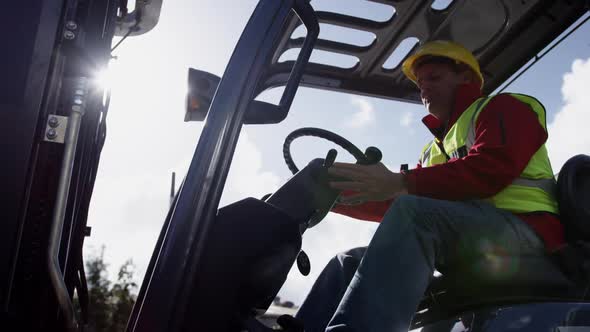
(573, 196)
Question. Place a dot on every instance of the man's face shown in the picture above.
(437, 84)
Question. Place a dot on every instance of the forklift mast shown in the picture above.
(53, 129)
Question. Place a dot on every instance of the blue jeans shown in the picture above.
(378, 289)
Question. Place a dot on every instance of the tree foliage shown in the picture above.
(110, 304)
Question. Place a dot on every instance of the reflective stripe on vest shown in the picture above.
(533, 190)
(426, 153)
(432, 155)
(471, 133)
(547, 185)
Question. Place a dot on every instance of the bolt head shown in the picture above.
(53, 122)
(51, 133)
(71, 25)
(69, 35)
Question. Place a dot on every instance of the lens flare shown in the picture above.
(103, 79)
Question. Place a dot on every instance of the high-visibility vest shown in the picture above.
(533, 190)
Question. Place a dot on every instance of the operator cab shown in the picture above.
(237, 257)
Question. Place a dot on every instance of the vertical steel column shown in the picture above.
(65, 177)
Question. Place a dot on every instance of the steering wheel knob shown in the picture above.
(373, 154)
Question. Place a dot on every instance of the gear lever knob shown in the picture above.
(330, 158)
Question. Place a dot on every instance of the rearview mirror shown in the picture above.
(201, 89)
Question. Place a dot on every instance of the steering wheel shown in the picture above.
(371, 156)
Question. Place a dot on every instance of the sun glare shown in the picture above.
(103, 78)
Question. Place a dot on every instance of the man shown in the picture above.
(483, 184)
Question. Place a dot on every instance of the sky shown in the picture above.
(147, 138)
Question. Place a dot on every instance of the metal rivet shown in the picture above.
(69, 35)
(53, 122)
(51, 134)
(71, 25)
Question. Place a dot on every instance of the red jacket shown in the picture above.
(490, 165)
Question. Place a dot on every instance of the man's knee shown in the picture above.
(350, 257)
(344, 264)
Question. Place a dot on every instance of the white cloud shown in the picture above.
(568, 132)
(365, 115)
(246, 177)
(126, 215)
(129, 208)
(408, 119)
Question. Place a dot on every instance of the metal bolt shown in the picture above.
(69, 35)
(53, 122)
(51, 134)
(71, 25)
(78, 100)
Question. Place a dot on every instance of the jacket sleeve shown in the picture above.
(508, 134)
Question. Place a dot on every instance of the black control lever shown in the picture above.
(320, 214)
(330, 158)
(303, 263)
(290, 323)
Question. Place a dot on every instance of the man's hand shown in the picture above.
(369, 182)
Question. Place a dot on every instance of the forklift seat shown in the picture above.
(573, 195)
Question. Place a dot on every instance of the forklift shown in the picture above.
(218, 268)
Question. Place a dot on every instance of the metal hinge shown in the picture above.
(55, 130)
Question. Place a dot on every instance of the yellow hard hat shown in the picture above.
(444, 48)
